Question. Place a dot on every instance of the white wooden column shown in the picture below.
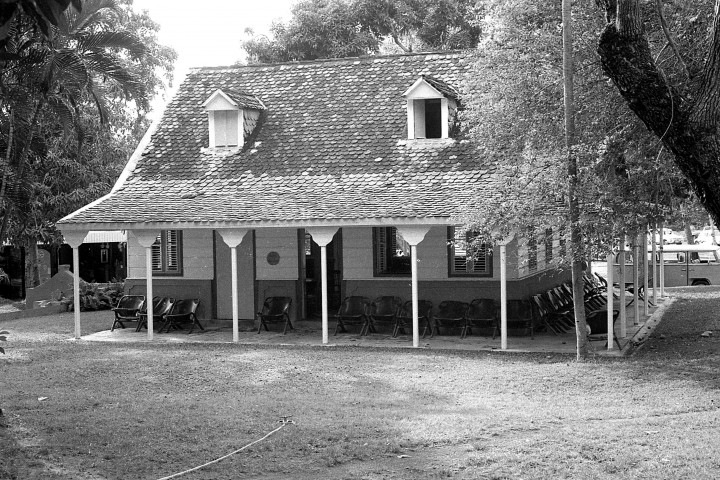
(75, 239)
(503, 296)
(414, 235)
(621, 282)
(322, 236)
(646, 273)
(146, 238)
(636, 281)
(610, 300)
(654, 265)
(233, 237)
(662, 261)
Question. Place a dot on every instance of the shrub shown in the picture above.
(97, 296)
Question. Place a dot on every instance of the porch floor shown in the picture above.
(309, 333)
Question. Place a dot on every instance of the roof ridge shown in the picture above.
(366, 58)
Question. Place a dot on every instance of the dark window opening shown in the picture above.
(391, 252)
(433, 119)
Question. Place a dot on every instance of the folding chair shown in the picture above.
(383, 311)
(404, 317)
(450, 314)
(481, 314)
(597, 325)
(161, 306)
(275, 310)
(520, 317)
(127, 310)
(353, 311)
(182, 311)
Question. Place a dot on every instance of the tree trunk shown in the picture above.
(689, 129)
(32, 273)
(576, 243)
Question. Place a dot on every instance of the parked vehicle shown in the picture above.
(684, 265)
(669, 237)
(708, 236)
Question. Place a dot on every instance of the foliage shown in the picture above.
(342, 28)
(667, 78)
(514, 104)
(67, 124)
(44, 13)
(97, 296)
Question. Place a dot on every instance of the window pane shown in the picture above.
(419, 109)
(220, 128)
(231, 129)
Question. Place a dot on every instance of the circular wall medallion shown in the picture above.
(273, 258)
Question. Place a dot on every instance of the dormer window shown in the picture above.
(430, 105)
(232, 116)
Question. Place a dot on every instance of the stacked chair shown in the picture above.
(556, 310)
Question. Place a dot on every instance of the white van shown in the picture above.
(684, 265)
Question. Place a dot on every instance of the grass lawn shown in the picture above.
(144, 411)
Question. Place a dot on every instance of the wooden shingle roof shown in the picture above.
(331, 145)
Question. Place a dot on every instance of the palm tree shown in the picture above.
(47, 78)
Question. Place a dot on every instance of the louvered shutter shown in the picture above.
(381, 249)
(172, 260)
(157, 255)
(548, 245)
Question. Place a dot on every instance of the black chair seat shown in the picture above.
(275, 310)
(127, 310)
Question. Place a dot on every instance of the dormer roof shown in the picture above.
(440, 88)
(233, 98)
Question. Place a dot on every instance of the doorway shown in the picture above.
(310, 275)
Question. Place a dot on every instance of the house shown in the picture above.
(315, 180)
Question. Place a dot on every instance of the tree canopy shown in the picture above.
(74, 104)
(662, 57)
(514, 106)
(344, 28)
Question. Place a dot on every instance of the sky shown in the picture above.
(208, 32)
